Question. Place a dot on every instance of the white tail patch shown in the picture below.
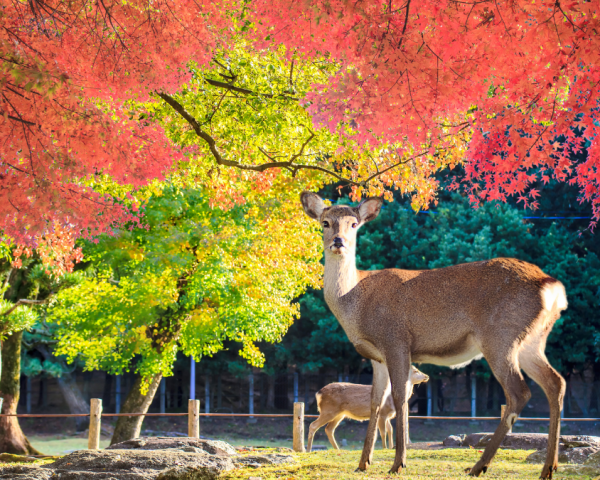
(318, 397)
(554, 296)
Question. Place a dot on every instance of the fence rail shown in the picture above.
(194, 415)
(273, 415)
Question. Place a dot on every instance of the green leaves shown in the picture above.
(192, 277)
(19, 318)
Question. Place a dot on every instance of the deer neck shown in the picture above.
(340, 278)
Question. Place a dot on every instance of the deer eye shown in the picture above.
(354, 225)
(325, 224)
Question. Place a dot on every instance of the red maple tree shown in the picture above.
(68, 68)
(521, 76)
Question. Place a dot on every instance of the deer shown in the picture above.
(337, 401)
(501, 309)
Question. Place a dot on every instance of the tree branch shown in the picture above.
(245, 91)
(405, 25)
(23, 301)
(289, 165)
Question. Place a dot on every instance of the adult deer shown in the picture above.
(337, 401)
(502, 309)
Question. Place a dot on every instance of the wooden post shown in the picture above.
(502, 410)
(194, 418)
(299, 427)
(95, 418)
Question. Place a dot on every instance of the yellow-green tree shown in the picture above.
(189, 278)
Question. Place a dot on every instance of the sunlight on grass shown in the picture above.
(422, 464)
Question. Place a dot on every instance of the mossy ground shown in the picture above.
(422, 464)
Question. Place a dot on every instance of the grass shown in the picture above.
(422, 464)
(341, 465)
(61, 445)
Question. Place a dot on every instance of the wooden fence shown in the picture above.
(194, 415)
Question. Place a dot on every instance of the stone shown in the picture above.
(189, 473)
(590, 467)
(530, 441)
(577, 455)
(182, 459)
(256, 461)
(453, 441)
(132, 465)
(214, 447)
(579, 440)
(25, 472)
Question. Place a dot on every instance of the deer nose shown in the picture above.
(338, 242)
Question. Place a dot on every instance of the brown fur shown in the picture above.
(502, 309)
(337, 401)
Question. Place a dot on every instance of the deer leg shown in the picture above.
(390, 433)
(535, 364)
(400, 377)
(381, 382)
(407, 425)
(314, 426)
(330, 430)
(382, 431)
(508, 373)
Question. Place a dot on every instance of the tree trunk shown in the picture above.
(12, 439)
(75, 400)
(71, 393)
(130, 427)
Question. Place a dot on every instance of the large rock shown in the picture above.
(25, 472)
(260, 460)
(577, 455)
(127, 465)
(590, 467)
(214, 447)
(146, 459)
(454, 441)
(529, 441)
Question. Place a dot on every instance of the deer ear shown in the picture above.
(313, 204)
(369, 208)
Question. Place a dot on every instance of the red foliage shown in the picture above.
(520, 74)
(528, 72)
(59, 60)
(56, 249)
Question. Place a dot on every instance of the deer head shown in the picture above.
(417, 376)
(340, 222)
